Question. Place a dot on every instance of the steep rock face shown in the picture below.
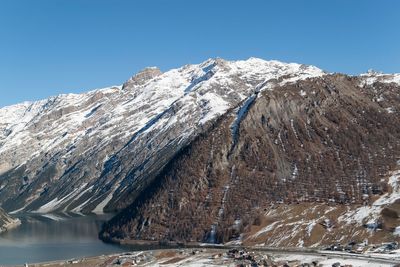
(142, 77)
(98, 151)
(287, 162)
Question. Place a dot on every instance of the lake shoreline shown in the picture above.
(42, 238)
(7, 222)
(10, 225)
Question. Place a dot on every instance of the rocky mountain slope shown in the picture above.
(254, 151)
(97, 151)
(307, 163)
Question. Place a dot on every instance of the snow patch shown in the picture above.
(266, 229)
(369, 214)
(371, 77)
(99, 209)
(215, 105)
(57, 203)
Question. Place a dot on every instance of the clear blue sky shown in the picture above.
(49, 47)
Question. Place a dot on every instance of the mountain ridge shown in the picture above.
(205, 86)
(215, 130)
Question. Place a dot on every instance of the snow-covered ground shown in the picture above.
(370, 214)
(373, 76)
(224, 257)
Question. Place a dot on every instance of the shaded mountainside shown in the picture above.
(305, 160)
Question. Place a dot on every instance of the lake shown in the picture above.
(56, 237)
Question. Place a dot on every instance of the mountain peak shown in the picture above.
(142, 77)
(213, 61)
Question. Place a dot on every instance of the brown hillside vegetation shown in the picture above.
(324, 142)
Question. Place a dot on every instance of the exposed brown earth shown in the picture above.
(304, 224)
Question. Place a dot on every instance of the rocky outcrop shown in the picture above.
(7, 222)
(327, 142)
(142, 77)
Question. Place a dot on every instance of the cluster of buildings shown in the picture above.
(364, 247)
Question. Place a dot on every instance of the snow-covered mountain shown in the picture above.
(253, 151)
(99, 150)
(222, 151)
(314, 162)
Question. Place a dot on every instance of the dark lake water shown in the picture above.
(41, 239)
